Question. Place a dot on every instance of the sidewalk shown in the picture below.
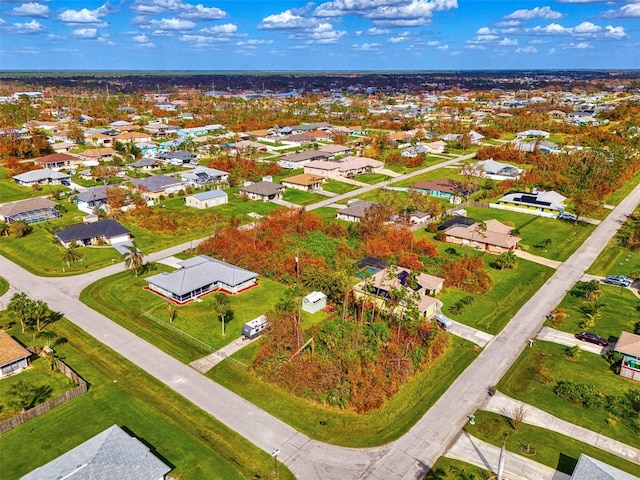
(474, 335)
(484, 455)
(503, 405)
(204, 364)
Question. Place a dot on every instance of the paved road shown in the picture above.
(411, 456)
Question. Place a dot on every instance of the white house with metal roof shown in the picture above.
(200, 275)
(207, 199)
(42, 175)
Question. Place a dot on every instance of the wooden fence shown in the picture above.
(49, 404)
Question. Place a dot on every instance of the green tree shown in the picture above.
(39, 312)
(222, 307)
(507, 260)
(19, 229)
(70, 255)
(134, 259)
(20, 306)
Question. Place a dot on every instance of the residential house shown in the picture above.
(457, 221)
(497, 170)
(304, 181)
(437, 146)
(159, 129)
(32, 210)
(63, 147)
(200, 275)
(100, 139)
(311, 136)
(475, 137)
(132, 137)
(179, 155)
(155, 186)
(107, 232)
(197, 131)
(264, 191)
(440, 187)
(542, 146)
(414, 150)
(13, 357)
(203, 176)
(40, 176)
(351, 166)
(537, 201)
(533, 134)
(57, 161)
(208, 199)
(491, 236)
(98, 154)
(145, 164)
(418, 217)
(333, 150)
(379, 287)
(628, 344)
(324, 169)
(292, 161)
(111, 454)
(92, 199)
(355, 210)
(589, 468)
(147, 148)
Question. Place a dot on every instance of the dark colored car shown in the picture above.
(592, 338)
(66, 183)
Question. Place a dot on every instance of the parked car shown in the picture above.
(66, 183)
(618, 280)
(567, 216)
(592, 338)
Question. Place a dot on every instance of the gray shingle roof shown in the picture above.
(156, 183)
(30, 205)
(94, 194)
(591, 469)
(39, 175)
(144, 162)
(263, 188)
(102, 228)
(357, 209)
(305, 155)
(112, 454)
(199, 272)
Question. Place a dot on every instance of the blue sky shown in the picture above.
(332, 35)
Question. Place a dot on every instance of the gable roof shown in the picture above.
(110, 454)
(263, 188)
(589, 468)
(303, 179)
(102, 228)
(357, 208)
(56, 157)
(549, 199)
(22, 206)
(304, 155)
(156, 183)
(144, 162)
(629, 344)
(94, 194)
(445, 185)
(10, 349)
(40, 174)
(493, 233)
(199, 272)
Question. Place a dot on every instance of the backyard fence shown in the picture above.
(177, 330)
(49, 404)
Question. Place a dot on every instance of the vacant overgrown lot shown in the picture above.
(341, 427)
(186, 438)
(535, 374)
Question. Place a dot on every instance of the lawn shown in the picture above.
(565, 237)
(44, 258)
(39, 375)
(522, 382)
(122, 298)
(451, 173)
(340, 427)
(338, 187)
(10, 191)
(620, 312)
(617, 260)
(449, 469)
(4, 286)
(185, 437)
(302, 198)
(552, 449)
(511, 289)
(371, 178)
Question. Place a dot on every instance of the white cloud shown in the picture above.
(324, 34)
(583, 30)
(156, 6)
(615, 32)
(84, 15)
(632, 10)
(165, 24)
(253, 42)
(443, 47)
(21, 28)
(200, 12)
(526, 50)
(508, 42)
(580, 45)
(226, 29)
(378, 31)
(142, 40)
(32, 9)
(538, 12)
(86, 33)
(285, 20)
(508, 23)
(366, 47)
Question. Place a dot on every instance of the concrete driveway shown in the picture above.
(563, 338)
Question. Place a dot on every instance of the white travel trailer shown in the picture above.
(255, 327)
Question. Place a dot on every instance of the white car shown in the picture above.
(567, 216)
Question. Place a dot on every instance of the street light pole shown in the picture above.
(274, 454)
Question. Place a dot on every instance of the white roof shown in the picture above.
(314, 297)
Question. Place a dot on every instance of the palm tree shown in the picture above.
(507, 259)
(70, 255)
(20, 306)
(222, 307)
(134, 258)
(39, 311)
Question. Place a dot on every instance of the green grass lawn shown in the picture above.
(371, 178)
(239, 206)
(521, 382)
(10, 191)
(4, 286)
(616, 260)
(44, 255)
(338, 187)
(329, 424)
(616, 197)
(449, 469)
(188, 439)
(620, 313)
(565, 236)
(302, 198)
(122, 298)
(451, 173)
(39, 375)
(552, 449)
(511, 289)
